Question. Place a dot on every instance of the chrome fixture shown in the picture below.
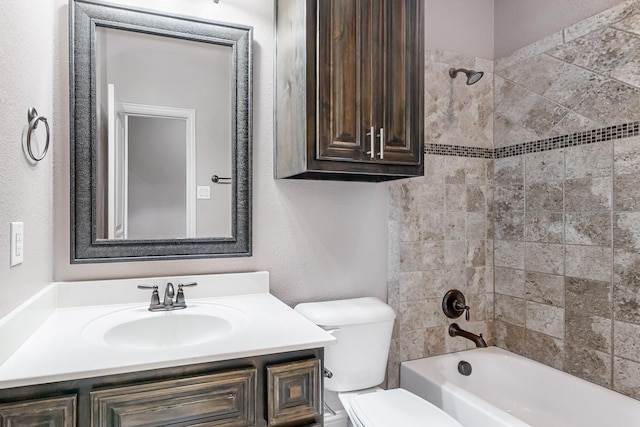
(472, 75)
(454, 304)
(457, 331)
(172, 301)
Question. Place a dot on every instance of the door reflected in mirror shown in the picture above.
(156, 154)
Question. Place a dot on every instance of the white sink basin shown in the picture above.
(139, 328)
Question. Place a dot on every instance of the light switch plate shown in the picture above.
(204, 192)
(17, 243)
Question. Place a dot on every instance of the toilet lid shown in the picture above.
(398, 407)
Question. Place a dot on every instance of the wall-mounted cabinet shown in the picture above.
(349, 89)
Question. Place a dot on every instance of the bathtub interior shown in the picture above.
(505, 389)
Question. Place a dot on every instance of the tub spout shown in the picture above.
(455, 331)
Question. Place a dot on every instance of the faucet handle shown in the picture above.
(180, 301)
(155, 297)
(190, 284)
(463, 307)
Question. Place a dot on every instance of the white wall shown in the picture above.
(463, 26)
(26, 75)
(319, 240)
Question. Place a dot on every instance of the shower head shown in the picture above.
(472, 76)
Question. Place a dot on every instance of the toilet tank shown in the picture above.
(362, 327)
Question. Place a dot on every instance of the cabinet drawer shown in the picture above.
(57, 412)
(294, 391)
(223, 399)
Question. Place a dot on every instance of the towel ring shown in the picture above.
(34, 118)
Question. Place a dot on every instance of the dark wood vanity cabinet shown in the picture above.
(349, 89)
(53, 412)
(283, 389)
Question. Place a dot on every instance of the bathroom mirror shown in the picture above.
(160, 135)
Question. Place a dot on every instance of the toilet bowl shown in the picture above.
(358, 362)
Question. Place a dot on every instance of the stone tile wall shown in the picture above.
(582, 78)
(544, 242)
(440, 224)
(567, 226)
(567, 260)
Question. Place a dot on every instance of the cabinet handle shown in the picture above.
(372, 136)
(381, 143)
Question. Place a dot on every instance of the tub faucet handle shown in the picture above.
(463, 307)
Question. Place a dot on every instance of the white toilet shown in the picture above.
(358, 361)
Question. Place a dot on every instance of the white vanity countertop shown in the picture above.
(58, 351)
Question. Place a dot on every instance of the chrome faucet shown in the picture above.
(457, 331)
(169, 294)
(172, 300)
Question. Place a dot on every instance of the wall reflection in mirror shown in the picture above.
(161, 135)
(164, 129)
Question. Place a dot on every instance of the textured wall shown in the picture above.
(25, 189)
(319, 240)
(439, 225)
(566, 220)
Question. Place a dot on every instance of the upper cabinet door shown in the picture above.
(403, 86)
(344, 74)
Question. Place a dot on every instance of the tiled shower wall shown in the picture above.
(567, 209)
(565, 215)
(440, 225)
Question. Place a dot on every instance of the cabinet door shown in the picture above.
(58, 412)
(402, 126)
(294, 393)
(224, 399)
(343, 75)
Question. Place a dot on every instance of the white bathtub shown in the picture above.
(508, 390)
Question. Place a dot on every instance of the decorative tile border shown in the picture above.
(625, 130)
(458, 151)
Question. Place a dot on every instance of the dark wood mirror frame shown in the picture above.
(84, 16)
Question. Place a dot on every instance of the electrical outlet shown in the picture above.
(17, 243)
